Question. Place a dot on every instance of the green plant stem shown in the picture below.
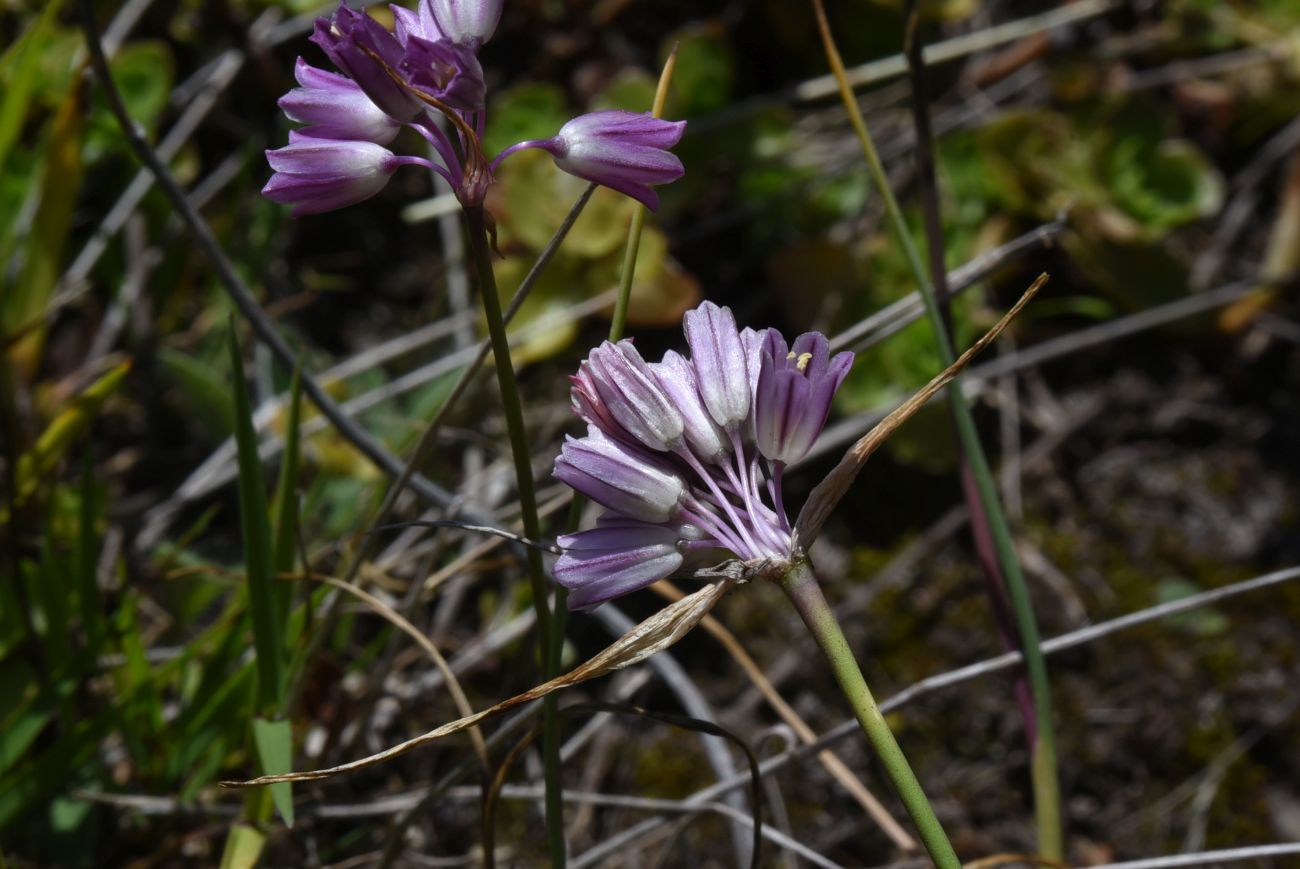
(800, 585)
(1047, 798)
(619, 319)
(550, 704)
(475, 219)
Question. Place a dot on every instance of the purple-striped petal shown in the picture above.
(619, 478)
(676, 375)
(624, 151)
(614, 559)
(316, 175)
(722, 373)
(469, 22)
(633, 397)
(447, 71)
(795, 389)
(334, 107)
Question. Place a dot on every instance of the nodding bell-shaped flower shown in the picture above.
(361, 47)
(617, 557)
(316, 175)
(620, 478)
(720, 358)
(677, 377)
(468, 22)
(632, 395)
(625, 151)
(795, 388)
(445, 70)
(333, 107)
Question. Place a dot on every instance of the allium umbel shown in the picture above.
(426, 75)
(688, 454)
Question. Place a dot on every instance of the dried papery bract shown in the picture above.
(659, 632)
(831, 490)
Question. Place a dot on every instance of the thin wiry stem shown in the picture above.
(1043, 766)
(836, 767)
(1015, 618)
(475, 219)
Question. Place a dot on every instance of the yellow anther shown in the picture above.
(804, 359)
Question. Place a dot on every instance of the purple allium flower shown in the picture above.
(361, 47)
(429, 67)
(720, 356)
(316, 175)
(795, 388)
(617, 557)
(694, 459)
(333, 107)
(631, 394)
(625, 151)
(620, 478)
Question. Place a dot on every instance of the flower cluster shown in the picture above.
(426, 75)
(688, 453)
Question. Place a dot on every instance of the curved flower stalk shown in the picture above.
(687, 454)
(426, 75)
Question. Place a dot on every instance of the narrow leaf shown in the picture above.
(22, 306)
(87, 559)
(257, 544)
(286, 501)
(20, 67)
(243, 847)
(274, 741)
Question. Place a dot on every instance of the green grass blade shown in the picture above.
(87, 560)
(257, 545)
(20, 66)
(243, 847)
(274, 742)
(52, 592)
(23, 304)
(286, 501)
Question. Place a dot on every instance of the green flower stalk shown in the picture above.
(800, 584)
